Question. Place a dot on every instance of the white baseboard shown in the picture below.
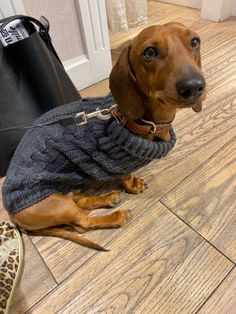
(186, 3)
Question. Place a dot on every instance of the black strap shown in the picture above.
(43, 28)
(24, 127)
(63, 122)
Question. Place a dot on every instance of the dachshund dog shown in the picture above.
(158, 73)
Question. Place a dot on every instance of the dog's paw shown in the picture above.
(122, 217)
(134, 185)
(114, 198)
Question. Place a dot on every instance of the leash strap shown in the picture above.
(80, 118)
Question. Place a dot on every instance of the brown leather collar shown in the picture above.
(144, 128)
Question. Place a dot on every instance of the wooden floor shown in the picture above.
(178, 254)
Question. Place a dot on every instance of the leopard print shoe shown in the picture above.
(11, 259)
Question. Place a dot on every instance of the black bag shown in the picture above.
(33, 81)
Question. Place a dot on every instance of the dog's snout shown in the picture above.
(190, 88)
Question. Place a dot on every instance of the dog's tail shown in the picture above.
(66, 234)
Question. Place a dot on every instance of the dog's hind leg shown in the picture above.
(58, 209)
(114, 220)
(92, 202)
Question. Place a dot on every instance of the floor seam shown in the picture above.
(194, 170)
(227, 275)
(211, 244)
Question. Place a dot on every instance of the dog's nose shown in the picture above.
(190, 88)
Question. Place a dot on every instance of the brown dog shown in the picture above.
(159, 72)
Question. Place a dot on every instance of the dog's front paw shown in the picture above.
(134, 185)
(114, 198)
(122, 217)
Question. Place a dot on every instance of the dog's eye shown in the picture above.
(195, 43)
(150, 53)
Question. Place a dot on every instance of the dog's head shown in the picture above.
(158, 72)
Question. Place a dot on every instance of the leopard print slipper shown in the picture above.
(11, 260)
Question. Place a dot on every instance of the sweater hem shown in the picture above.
(15, 208)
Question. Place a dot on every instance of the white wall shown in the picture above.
(218, 10)
(234, 8)
(215, 10)
(64, 25)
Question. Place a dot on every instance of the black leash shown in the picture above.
(80, 118)
(25, 127)
(63, 122)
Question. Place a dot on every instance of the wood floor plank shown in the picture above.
(206, 200)
(217, 72)
(35, 283)
(222, 32)
(98, 89)
(157, 265)
(223, 299)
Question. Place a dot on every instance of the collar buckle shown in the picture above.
(153, 128)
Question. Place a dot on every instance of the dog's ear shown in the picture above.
(124, 87)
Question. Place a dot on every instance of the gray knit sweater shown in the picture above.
(57, 158)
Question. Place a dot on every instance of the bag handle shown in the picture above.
(43, 28)
(10, 19)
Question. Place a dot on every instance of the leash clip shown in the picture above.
(102, 114)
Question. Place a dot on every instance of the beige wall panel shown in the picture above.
(64, 25)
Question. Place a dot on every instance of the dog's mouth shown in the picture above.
(176, 102)
(161, 100)
(197, 107)
(191, 104)
(195, 104)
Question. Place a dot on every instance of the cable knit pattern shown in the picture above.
(57, 158)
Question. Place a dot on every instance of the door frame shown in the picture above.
(95, 64)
